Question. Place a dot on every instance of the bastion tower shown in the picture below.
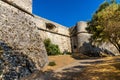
(79, 37)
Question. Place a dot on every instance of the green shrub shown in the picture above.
(51, 49)
(69, 53)
(52, 63)
(65, 52)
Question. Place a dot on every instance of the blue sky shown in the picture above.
(66, 12)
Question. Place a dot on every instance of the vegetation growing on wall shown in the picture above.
(105, 24)
(51, 48)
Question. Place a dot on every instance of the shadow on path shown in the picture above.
(72, 71)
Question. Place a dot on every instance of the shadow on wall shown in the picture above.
(93, 51)
(14, 65)
(5, 47)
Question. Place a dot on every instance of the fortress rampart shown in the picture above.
(23, 31)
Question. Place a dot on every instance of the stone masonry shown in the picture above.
(58, 34)
(22, 35)
(23, 4)
(68, 39)
(19, 31)
(81, 43)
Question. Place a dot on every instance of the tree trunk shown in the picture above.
(115, 44)
(119, 48)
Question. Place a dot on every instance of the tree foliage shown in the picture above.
(102, 6)
(105, 24)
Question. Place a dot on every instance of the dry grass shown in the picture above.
(61, 61)
(79, 56)
(108, 70)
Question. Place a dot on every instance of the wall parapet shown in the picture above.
(18, 7)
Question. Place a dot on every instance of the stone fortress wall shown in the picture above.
(80, 42)
(22, 35)
(57, 33)
(79, 36)
(19, 32)
(68, 39)
(23, 4)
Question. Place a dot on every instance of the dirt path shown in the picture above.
(70, 71)
(88, 69)
(79, 65)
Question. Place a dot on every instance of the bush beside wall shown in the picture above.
(52, 49)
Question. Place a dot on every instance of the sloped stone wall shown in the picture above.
(19, 31)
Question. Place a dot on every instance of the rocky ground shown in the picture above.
(15, 65)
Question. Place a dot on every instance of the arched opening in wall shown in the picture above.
(50, 26)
